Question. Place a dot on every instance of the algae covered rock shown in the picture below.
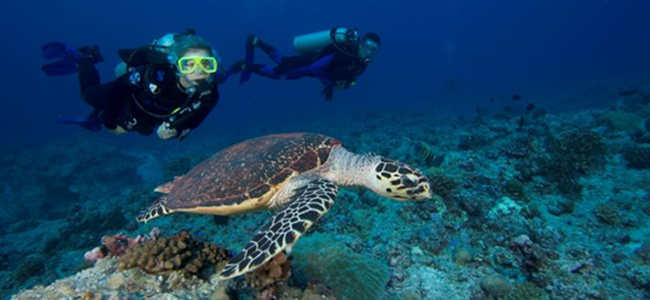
(495, 286)
(352, 276)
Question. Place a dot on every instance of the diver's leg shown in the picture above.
(292, 63)
(88, 74)
(254, 41)
(264, 70)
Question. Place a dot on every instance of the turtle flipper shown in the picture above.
(156, 210)
(306, 206)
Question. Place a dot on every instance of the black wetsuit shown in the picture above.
(334, 67)
(145, 97)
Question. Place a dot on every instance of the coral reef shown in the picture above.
(267, 278)
(351, 275)
(638, 157)
(561, 221)
(572, 154)
(525, 291)
(519, 148)
(175, 253)
(442, 185)
(495, 286)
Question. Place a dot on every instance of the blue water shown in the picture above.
(493, 48)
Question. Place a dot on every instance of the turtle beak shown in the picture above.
(427, 191)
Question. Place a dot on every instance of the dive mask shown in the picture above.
(187, 65)
(369, 48)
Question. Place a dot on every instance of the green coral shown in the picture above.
(352, 276)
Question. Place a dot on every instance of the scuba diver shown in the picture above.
(168, 87)
(336, 57)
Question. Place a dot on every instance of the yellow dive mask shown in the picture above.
(187, 65)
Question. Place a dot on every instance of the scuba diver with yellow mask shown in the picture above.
(168, 87)
(336, 57)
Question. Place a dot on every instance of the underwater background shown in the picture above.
(549, 201)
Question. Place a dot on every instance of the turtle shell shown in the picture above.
(244, 176)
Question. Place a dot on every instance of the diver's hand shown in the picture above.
(118, 130)
(165, 132)
(183, 134)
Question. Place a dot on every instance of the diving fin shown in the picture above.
(59, 68)
(59, 50)
(93, 122)
(66, 55)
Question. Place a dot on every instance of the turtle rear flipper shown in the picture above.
(156, 210)
(306, 206)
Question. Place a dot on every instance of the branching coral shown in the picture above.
(179, 252)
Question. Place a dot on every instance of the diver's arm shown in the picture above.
(191, 117)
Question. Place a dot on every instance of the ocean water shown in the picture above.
(530, 118)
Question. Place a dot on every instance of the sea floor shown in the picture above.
(528, 205)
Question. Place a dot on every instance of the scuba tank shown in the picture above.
(315, 42)
(162, 44)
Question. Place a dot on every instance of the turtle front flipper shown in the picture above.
(156, 210)
(305, 207)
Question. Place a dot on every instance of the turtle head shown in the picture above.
(397, 180)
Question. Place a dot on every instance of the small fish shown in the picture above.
(530, 106)
(522, 121)
(508, 108)
(492, 100)
(516, 97)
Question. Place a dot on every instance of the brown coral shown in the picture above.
(175, 253)
(266, 278)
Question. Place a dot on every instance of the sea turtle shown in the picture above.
(296, 174)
